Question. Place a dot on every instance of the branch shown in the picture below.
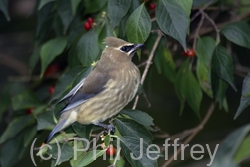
(148, 63)
(194, 133)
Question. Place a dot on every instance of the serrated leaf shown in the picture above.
(65, 82)
(50, 50)
(138, 26)
(25, 100)
(87, 49)
(138, 149)
(245, 100)
(205, 49)
(74, 5)
(16, 126)
(129, 127)
(188, 88)
(243, 150)
(66, 152)
(117, 9)
(172, 20)
(45, 120)
(90, 157)
(140, 117)
(238, 33)
(65, 12)
(227, 149)
(43, 3)
(222, 65)
(203, 73)
(4, 8)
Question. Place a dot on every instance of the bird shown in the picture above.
(109, 87)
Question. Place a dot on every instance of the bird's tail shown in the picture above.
(60, 126)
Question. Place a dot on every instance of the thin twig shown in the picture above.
(197, 129)
(197, 31)
(116, 158)
(201, 10)
(149, 62)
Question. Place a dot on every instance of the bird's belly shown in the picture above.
(107, 104)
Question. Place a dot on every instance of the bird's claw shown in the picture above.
(109, 129)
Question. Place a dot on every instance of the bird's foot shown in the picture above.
(107, 128)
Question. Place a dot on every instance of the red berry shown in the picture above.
(51, 90)
(51, 69)
(30, 110)
(90, 20)
(87, 26)
(152, 6)
(188, 53)
(111, 151)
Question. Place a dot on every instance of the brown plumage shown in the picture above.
(106, 90)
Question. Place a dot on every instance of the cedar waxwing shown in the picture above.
(105, 91)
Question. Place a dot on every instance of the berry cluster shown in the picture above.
(188, 53)
(88, 24)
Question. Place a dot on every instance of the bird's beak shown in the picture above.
(136, 47)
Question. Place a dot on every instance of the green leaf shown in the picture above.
(82, 131)
(172, 20)
(90, 157)
(25, 100)
(139, 116)
(92, 6)
(34, 58)
(129, 127)
(203, 73)
(243, 150)
(227, 149)
(43, 3)
(4, 8)
(205, 49)
(186, 5)
(221, 93)
(74, 5)
(222, 65)
(138, 26)
(188, 88)
(66, 14)
(45, 120)
(50, 50)
(87, 49)
(136, 147)
(16, 126)
(62, 137)
(30, 135)
(238, 33)
(66, 152)
(105, 32)
(168, 65)
(117, 9)
(65, 82)
(245, 100)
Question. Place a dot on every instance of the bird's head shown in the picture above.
(119, 49)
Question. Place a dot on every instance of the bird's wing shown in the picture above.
(86, 89)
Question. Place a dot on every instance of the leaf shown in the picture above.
(138, 26)
(65, 82)
(34, 58)
(16, 126)
(87, 49)
(222, 65)
(139, 116)
(74, 5)
(129, 127)
(172, 20)
(221, 93)
(43, 3)
(66, 152)
(50, 50)
(227, 149)
(66, 14)
(186, 5)
(188, 88)
(45, 121)
(205, 49)
(90, 157)
(92, 6)
(30, 135)
(238, 33)
(25, 100)
(203, 73)
(4, 8)
(138, 149)
(82, 131)
(245, 100)
(243, 151)
(117, 9)
(168, 65)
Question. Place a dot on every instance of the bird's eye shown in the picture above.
(126, 48)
